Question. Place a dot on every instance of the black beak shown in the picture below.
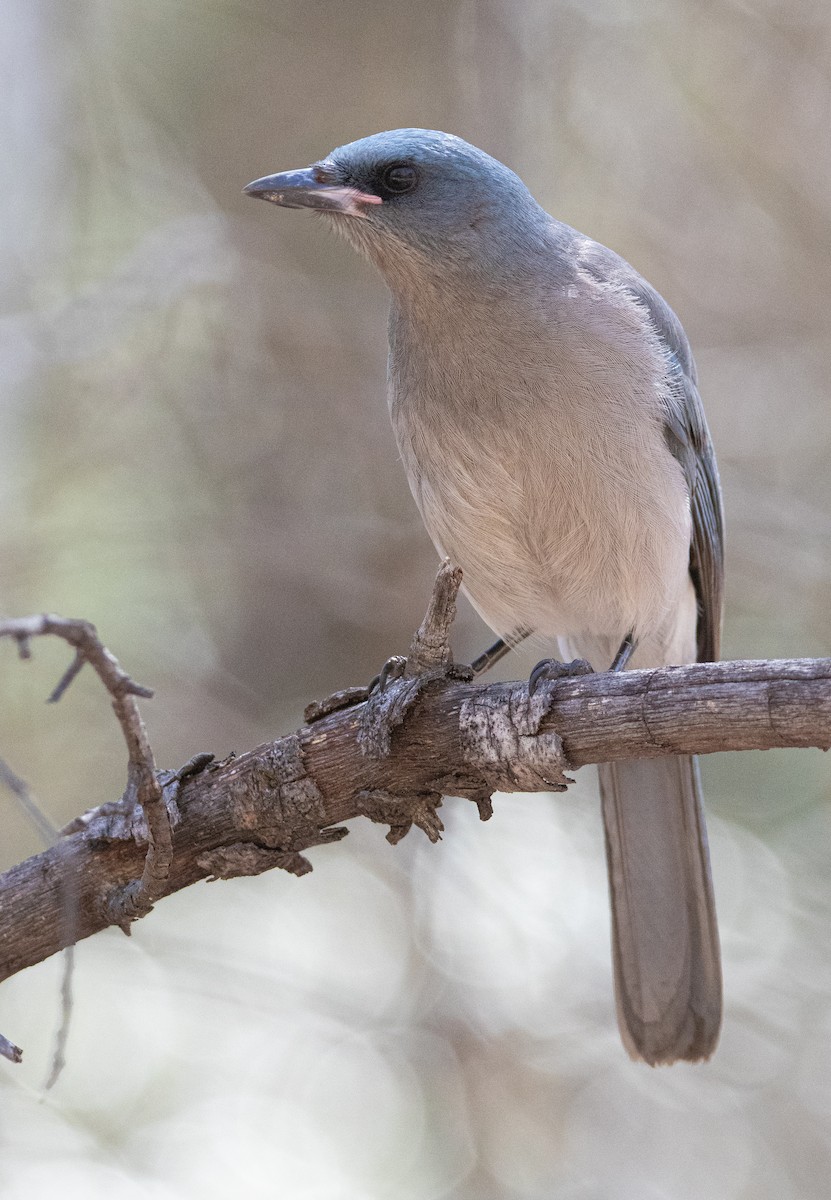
(306, 189)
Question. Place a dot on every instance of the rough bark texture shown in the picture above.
(263, 808)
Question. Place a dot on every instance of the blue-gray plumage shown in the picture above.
(544, 400)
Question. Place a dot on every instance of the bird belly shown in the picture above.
(568, 532)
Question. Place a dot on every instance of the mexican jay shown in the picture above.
(545, 405)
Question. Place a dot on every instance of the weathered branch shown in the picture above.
(133, 898)
(263, 808)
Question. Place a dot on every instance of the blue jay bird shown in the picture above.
(544, 402)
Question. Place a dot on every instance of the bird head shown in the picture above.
(413, 200)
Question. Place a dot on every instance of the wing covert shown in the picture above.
(687, 437)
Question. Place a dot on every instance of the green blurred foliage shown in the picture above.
(195, 454)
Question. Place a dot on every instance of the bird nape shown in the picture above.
(544, 399)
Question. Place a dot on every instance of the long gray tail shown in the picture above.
(665, 944)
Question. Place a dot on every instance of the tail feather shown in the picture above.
(665, 947)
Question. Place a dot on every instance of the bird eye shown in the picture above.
(399, 178)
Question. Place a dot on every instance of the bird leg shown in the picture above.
(626, 650)
(489, 657)
(498, 650)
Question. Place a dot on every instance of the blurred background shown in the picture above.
(195, 454)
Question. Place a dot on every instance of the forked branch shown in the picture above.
(390, 756)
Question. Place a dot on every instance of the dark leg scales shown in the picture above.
(491, 656)
(498, 650)
(627, 649)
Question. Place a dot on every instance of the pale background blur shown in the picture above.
(195, 454)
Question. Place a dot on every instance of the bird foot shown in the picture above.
(392, 669)
(395, 668)
(400, 677)
(551, 669)
(392, 695)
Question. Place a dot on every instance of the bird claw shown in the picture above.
(550, 669)
(394, 695)
(392, 669)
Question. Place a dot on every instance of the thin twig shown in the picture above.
(47, 832)
(134, 900)
(69, 674)
(62, 1036)
(49, 835)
